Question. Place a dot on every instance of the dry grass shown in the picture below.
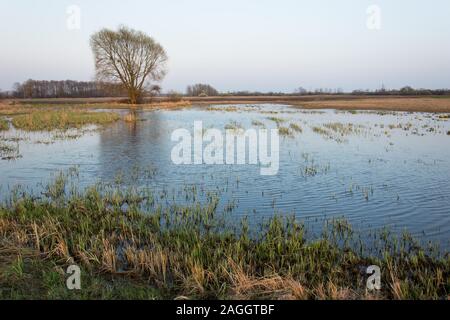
(168, 105)
(387, 104)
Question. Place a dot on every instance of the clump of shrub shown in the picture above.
(174, 96)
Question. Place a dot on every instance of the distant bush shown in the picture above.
(174, 96)
(201, 90)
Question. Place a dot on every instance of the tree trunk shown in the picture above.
(133, 96)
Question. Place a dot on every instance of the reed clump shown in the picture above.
(128, 247)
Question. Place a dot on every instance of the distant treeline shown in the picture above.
(91, 89)
(198, 90)
(207, 90)
(65, 89)
(405, 91)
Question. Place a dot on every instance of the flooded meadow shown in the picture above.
(376, 170)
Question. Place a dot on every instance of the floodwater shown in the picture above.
(384, 170)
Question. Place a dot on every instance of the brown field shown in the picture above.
(18, 107)
(387, 104)
(341, 102)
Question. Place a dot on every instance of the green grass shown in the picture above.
(3, 125)
(31, 277)
(128, 247)
(61, 119)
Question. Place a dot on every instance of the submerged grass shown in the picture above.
(129, 248)
(61, 119)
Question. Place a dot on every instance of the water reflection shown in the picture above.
(135, 144)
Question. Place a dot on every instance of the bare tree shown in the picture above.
(130, 57)
(153, 91)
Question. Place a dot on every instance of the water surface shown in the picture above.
(391, 169)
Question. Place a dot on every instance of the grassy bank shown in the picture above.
(128, 247)
(38, 105)
(61, 119)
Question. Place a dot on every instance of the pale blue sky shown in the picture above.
(240, 44)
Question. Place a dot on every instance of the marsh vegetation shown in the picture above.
(62, 120)
(128, 247)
